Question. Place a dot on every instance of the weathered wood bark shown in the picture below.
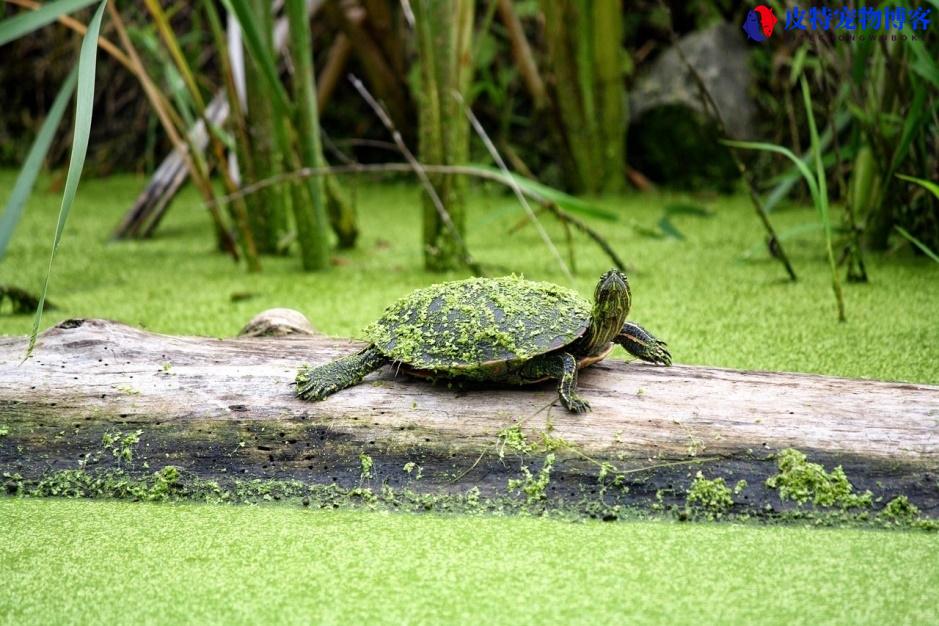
(226, 408)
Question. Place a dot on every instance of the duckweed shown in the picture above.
(713, 496)
(801, 481)
(460, 325)
(534, 486)
(900, 509)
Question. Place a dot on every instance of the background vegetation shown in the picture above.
(550, 82)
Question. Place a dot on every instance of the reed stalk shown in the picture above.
(310, 216)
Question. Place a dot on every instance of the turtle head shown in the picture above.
(611, 302)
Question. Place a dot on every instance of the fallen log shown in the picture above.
(226, 408)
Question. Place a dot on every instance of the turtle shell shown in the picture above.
(479, 322)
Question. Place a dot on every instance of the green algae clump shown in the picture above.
(801, 481)
(534, 486)
(900, 509)
(712, 495)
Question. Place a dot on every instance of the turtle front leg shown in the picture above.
(563, 367)
(641, 344)
(325, 380)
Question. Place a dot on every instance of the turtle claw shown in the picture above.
(576, 404)
(316, 390)
(658, 353)
(642, 345)
(319, 382)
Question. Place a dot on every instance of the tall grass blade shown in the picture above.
(172, 45)
(261, 54)
(84, 104)
(922, 182)
(919, 244)
(933, 188)
(786, 152)
(798, 62)
(925, 64)
(912, 124)
(28, 21)
(494, 153)
(310, 217)
(788, 179)
(544, 192)
(822, 196)
(34, 160)
(816, 183)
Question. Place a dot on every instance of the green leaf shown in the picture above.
(84, 105)
(687, 208)
(669, 229)
(645, 231)
(789, 178)
(34, 160)
(821, 181)
(28, 21)
(786, 152)
(922, 182)
(925, 64)
(261, 54)
(543, 192)
(912, 125)
(822, 196)
(175, 85)
(919, 244)
(797, 63)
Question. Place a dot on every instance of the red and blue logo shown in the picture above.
(760, 23)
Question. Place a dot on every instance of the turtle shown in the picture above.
(505, 330)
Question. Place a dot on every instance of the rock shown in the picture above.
(721, 57)
(671, 138)
(278, 323)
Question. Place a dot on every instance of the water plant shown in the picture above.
(534, 486)
(365, 464)
(801, 481)
(817, 185)
(712, 496)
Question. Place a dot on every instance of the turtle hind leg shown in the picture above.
(563, 367)
(325, 380)
(641, 344)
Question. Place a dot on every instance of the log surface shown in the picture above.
(225, 407)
